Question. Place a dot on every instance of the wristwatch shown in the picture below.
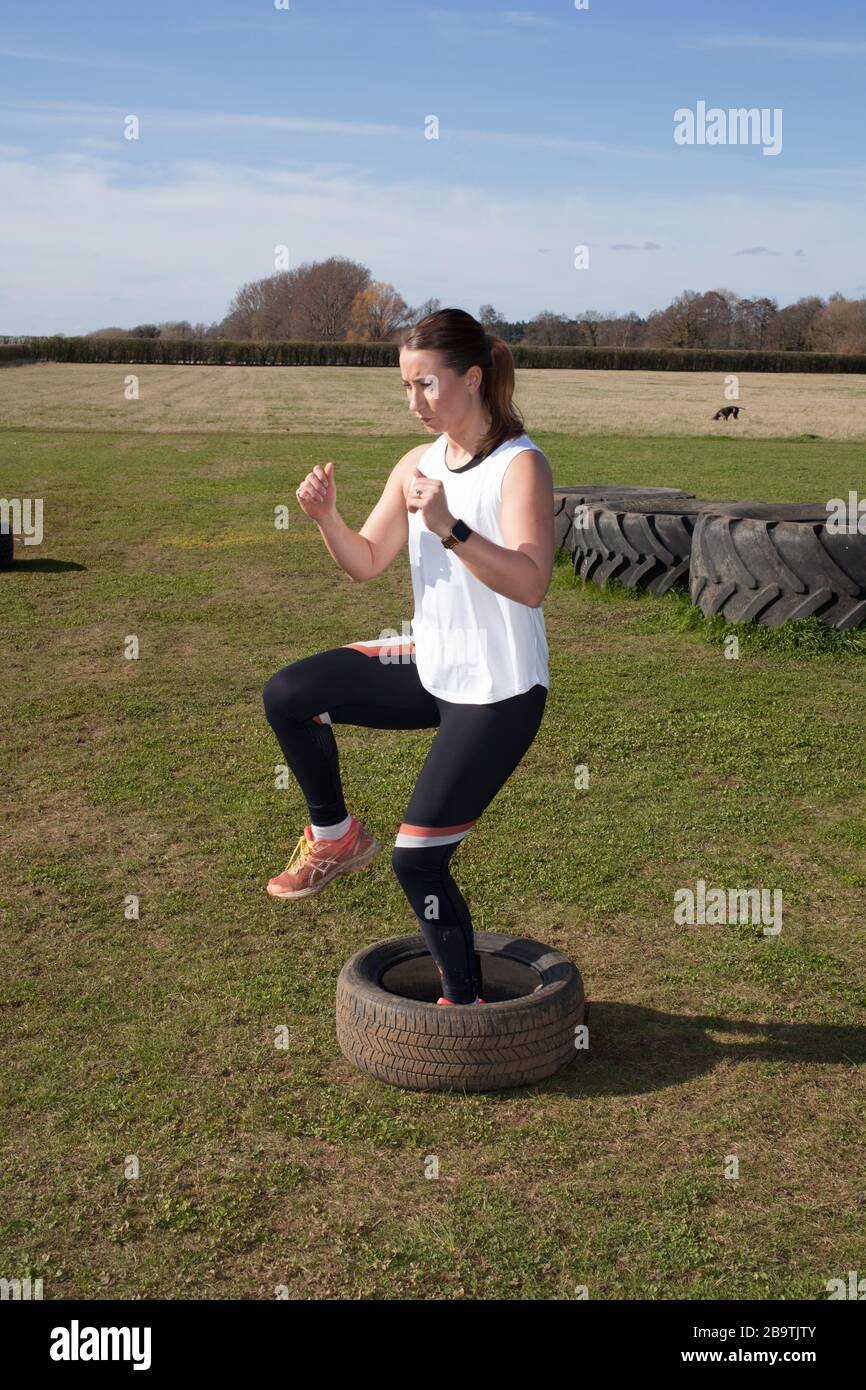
(459, 532)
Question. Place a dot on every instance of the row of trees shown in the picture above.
(717, 319)
(337, 300)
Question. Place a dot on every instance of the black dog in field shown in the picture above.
(727, 410)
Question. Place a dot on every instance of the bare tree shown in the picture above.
(679, 325)
(840, 326)
(548, 329)
(755, 318)
(492, 321)
(378, 313)
(793, 327)
(718, 313)
(244, 312)
(175, 328)
(276, 320)
(590, 329)
(430, 306)
(324, 295)
(622, 331)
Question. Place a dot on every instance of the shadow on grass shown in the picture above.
(633, 1049)
(44, 566)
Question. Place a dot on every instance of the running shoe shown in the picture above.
(315, 862)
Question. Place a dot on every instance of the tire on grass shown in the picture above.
(775, 571)
(647, 543)
(7, 546)
(390, 1026)
(565, 499)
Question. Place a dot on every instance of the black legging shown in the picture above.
(474, 752)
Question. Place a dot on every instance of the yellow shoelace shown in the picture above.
(300, 853)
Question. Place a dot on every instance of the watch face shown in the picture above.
(461, 530)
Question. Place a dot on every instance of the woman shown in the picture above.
(476, 507)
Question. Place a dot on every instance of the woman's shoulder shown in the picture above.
(521, 443)
(524, 463)
(413, 457)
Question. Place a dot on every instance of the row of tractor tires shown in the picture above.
(769, 562)
(641, 542)
(420, 1045)
(646, 542)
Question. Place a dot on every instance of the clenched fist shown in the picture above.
(318, 492)
(427, 496)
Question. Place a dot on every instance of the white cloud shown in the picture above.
(482, 26)
(528, 19)
(90, 60)
(69, 115)
(82, 248)
(72, 117)
(826, 48)
(28, 56)
(634, 246)
(239, 26)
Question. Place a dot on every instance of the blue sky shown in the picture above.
(304, 127)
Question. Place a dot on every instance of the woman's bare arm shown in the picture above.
(367, 553)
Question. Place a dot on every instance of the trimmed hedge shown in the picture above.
(17, 352)
(688, 359)
(215, 352)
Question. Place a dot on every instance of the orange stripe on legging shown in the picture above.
(407, 829)
(381, 647)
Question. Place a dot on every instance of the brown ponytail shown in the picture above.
(464, 343)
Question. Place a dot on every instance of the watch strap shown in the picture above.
(459, 532)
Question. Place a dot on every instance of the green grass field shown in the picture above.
(262, 1167)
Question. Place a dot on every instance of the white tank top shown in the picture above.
(472, 645)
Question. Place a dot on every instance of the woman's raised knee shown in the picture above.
(280, 693)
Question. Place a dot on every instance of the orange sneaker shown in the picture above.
(479, 1000)
(315, 862)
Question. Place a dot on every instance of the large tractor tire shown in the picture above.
(647, 543)
(390, 1026)
(565, 499)
(775, 571)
